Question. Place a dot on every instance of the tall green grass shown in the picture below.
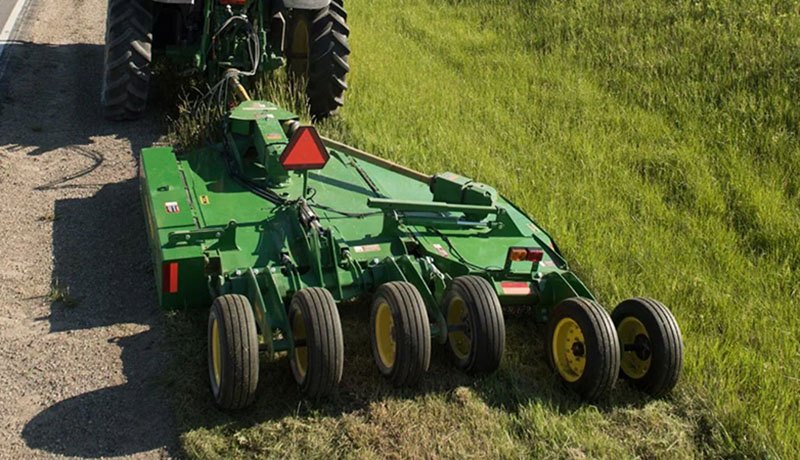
(658, 142)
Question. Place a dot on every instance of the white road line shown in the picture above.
(8, 27)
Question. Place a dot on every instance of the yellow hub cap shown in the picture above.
(569, 350)
(460, 340)
(300, 360)
(216, 353)
(636, 352)
(384, 335)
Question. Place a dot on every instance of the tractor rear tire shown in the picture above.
(472, 306)
(582, 347)
(232, 352)
(128, 52)
(401, 333)
(319, 56)
(652, 347)
(317, 361)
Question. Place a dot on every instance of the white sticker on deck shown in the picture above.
(367, 248)
(441, 250)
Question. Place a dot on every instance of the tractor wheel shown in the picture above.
(652, 348)
(476, 333)
(318, 357)
(232, 352)
(317, 51)
(126, 71)
(582, 347)
(401, 333)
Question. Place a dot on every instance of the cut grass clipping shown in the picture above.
(657, 141)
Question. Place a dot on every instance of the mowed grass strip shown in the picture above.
(657, 142)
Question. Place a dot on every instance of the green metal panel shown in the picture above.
(162, 186)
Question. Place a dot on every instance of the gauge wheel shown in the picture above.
(317, 358)
(232, 352)
(582, 347)
(651, 345)
(476, 331)
(401, 333)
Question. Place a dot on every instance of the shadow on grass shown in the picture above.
(524, 379)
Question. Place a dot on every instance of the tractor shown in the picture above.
(272, 226)
(211, 37)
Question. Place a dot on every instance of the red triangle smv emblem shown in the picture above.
(305, 151)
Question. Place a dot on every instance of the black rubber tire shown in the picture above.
(128, 52)
(238, 340)
(665, 344)
(411, 332)
(601, 346)
(486, 328)
(328, 55)
(324, 342)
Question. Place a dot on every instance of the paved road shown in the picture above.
(82, 378)
(5, 11)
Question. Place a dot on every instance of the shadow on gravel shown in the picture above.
(50, 99)
(100, 251)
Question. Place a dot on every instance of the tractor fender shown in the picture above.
(306, 4)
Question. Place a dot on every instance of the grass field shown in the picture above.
(658, 143)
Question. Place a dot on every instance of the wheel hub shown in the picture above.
(636, 347)
(569, 349)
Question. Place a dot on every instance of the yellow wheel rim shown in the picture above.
(300, 352)
(460, 340)
(384, 335)
(636, 355)
(216, 353)
(300, 50)
(569, 350)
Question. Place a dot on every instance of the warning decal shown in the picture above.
(514, 288)
(172, 207)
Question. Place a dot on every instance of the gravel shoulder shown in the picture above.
(82, 376)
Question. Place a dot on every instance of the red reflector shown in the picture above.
(535, 255)
(515, 288)
(232, 2)
(170, 280)
(305, 151)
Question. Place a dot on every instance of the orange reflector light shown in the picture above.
(170, 277)
(305, 151)
(517, 254)
(515, 288)
(525, 254)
